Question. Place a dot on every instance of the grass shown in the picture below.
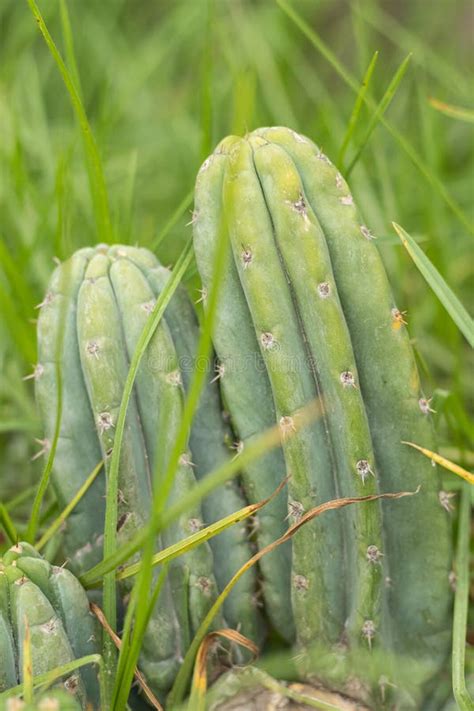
(103, 130)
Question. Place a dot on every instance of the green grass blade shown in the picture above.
(8, 525)
(18, 426)
(97, 180)
(58, 522)
(203, 355)
(318, 43)
(21, 335)
(357, 107)
(243, 100)
(20, 498)
(405, 145)
(380, 110)
(206, 80)
(110, 526)
(456, 112)
(461, 603)
(195, 539)
(127, 664)
(16, 278)
(138, 615)
(69, 44)
(259, 55)
(449, 300)
(48, 678)
(173, 220)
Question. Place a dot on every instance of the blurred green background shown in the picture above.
(162, 82)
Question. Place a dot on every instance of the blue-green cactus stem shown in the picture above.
(418, 593)
(246, 390)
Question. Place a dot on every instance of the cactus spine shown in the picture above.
(51, 602)
(305, 295)
(104, 297)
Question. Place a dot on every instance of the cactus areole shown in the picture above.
(47, 605)
(306, 311)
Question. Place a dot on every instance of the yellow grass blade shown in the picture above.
(442, 461)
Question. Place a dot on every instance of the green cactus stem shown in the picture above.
(51, 602)
(113, 292)
(305, 296)
(54, 700)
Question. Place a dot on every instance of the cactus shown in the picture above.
(55, 700)
(306, 312)
(51, 603)
(95, 309)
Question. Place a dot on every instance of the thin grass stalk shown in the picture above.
(382, 107)
(461, 604)
(359, 102)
